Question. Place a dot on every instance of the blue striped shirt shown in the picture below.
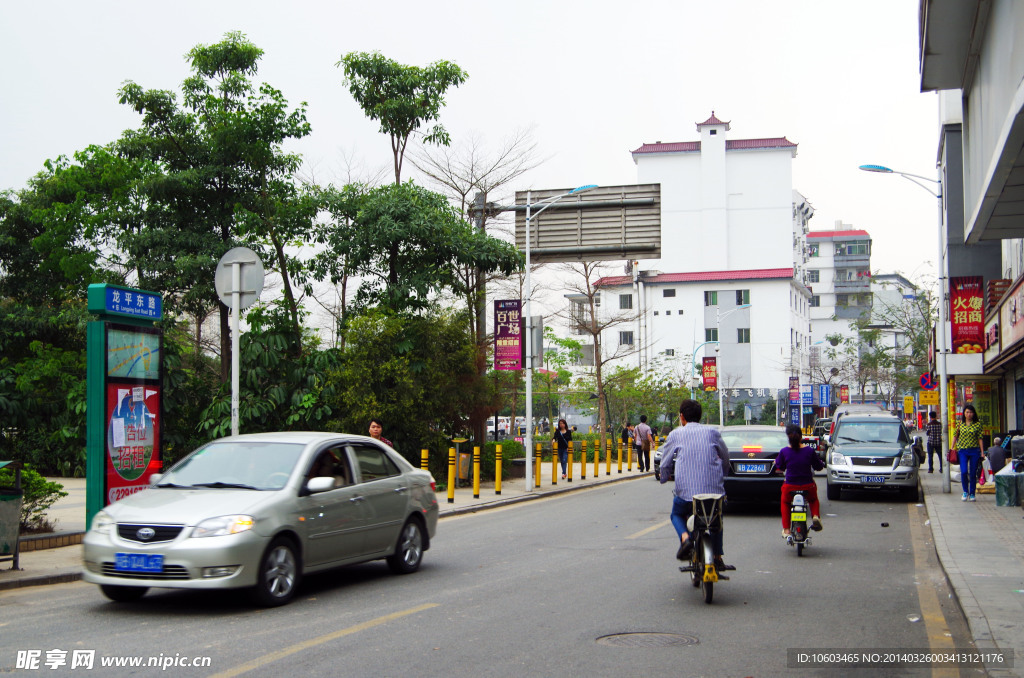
(700, 458)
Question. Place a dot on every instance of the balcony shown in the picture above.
(860, 261)
(855, 286)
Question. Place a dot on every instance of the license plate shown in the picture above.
(138, 562)
(798, 516)
(749, 468)
(872, 479)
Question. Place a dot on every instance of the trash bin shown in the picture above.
(465, 459)
(11, 498)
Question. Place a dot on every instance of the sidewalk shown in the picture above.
(981, 548)
(59, 565)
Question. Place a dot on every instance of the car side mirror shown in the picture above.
(827, 438)
(320, 484)
(155, 478)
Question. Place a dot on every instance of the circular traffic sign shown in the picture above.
(927, 383)
(251, 276)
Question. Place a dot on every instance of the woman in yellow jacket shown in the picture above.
(967, 443)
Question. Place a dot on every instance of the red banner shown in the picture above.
(966, 315)
(133, 438)
(844, 394)
(508, 323)
(710, 372)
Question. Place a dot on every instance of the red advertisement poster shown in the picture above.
(508, 336)
(967, 319)
(132, 438)
(844, 394)
(710, 372)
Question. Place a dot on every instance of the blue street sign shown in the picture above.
(824, 394)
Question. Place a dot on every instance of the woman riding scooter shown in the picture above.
(799, 463)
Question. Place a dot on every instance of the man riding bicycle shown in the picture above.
(700, 460)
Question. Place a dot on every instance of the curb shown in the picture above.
(41, 580)
(51, 540)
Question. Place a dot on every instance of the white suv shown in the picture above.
(871, 452)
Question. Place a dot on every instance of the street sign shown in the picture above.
(250, 283)
(908, 404)
(928, 398)
(927, 383)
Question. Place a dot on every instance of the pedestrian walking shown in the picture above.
(643, 439)
(561, 440)
(967, 444)
(376, 429)
(934, 430)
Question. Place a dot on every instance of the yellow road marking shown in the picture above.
(312, 642)
(650, 529)
(939, 637)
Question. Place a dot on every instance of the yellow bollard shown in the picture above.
(568, 463)
(536, 468)
(608, 458)
(452, 479)
(629, 456)
(424, 456)
(476, 472)
(583, 460)
(497, 469)
(620, 456)
(597, 459)
(554, 463)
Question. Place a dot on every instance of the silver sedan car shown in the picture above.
(260, 511)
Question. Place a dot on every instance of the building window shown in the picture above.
(743, 335)
(711, 334)
(842, 300)
(668, 292)
(814, 276)
(815, 301)
(670, 351)
(679, 312)
(812, 249)
(712, 132)
(625, 338)
(742, 297)
(711, 298)
(668, 312)
(625, 301)
(655, 313)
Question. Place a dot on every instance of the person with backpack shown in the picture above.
(643, 439)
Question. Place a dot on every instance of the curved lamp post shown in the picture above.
(943, 391)
(530, 214)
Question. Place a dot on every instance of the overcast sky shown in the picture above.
(594, 80)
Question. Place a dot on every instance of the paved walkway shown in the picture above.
(980, 546)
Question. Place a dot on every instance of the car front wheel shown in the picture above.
(832, 491)
(278, 575)
(409, 550)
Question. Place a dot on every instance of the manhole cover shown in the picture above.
(646, 640)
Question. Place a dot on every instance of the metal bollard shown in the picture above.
(536, 468)
(452, 477)
(568, 464)
(620, 456)
(608, 458)
(554, 463)
(583, 460)
(629, 456)
(424, 456)
(476, 472)
(497, 469)
(597, 458)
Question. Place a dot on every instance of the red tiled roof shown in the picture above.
(713, 120)
(730, 145)
(836, 234)
(700, 276)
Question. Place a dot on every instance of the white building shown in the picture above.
(839, 276)
(732, 233)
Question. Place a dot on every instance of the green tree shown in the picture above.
(402, 98)
(223, 173)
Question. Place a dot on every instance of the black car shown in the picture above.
(752, 453)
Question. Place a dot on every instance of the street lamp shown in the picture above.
(943, 391)
(718, 329)
(528, 439)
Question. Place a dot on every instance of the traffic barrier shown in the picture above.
(597, 458)
(608, 458)
(554, 463)
(620, 456)
(536, 467)
(568, 464)
(476, 472)
(583, 460)
(497, 469)
(424, 456)
(452, 477)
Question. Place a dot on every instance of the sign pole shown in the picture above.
(236, 309)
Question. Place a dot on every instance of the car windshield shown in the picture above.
(236, 464)
(871, 432)
(768, 441)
